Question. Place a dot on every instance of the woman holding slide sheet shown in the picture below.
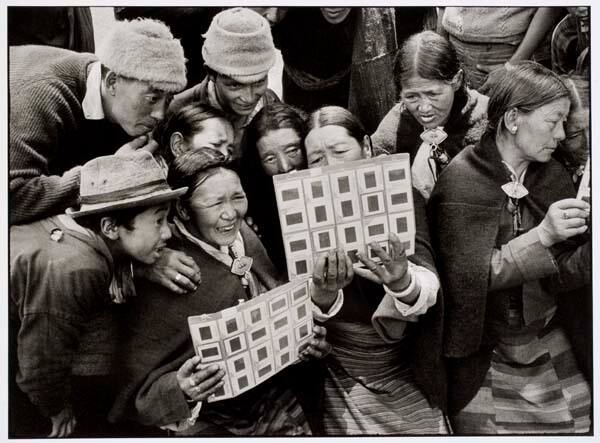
(163, 383)
(384, 375)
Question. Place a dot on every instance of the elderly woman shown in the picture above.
(512, 366)
(384, 375)
(163, 384)
(274, 145)
(437, 115)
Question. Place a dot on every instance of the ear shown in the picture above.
(457, 80)
(177, 145)
(110, 82)
(511, 120)
(367, 147)
(181, 211)
(109, 228)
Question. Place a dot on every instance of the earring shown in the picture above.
(513, 130)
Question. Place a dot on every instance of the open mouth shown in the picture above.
(226, 229)
(427, 118)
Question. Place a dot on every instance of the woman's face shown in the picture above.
(539, 131)
(214, 133)
(335, 15)
(576, 139)
(429, 101)
(332, 144)
(280, 151)
(217, 208)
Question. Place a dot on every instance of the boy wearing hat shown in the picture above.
(238, 53)
(67, 108)
(67, 268)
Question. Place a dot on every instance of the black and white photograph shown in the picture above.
(300, 220)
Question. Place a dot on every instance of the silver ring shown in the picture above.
(565, 215)
(178, 277)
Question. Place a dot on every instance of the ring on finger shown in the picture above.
(565, 215)
(178, 277)
(193, 382)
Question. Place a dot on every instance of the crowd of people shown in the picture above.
(140, 173)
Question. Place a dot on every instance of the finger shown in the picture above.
(187, 368)
(349, 269)
(365, 273)
(204, 373)
(574, 223)
(71, 426)
(369, 264)
(396, 247)
(138, 142)
(385, 258)
(319, 344)
(577, 213)
(319, 331)
(189, 262)
(183, 282)
(150, 147)
(212, 384)
(569, 203)
(341, 267)
(55, 429)
(212, 390)
(171, 286)
(319, 270)
(331, 269)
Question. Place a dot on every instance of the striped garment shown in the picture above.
(532, 386)
(370, 387)
(277, 412)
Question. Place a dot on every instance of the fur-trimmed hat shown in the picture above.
(144, 49)
(239, 45)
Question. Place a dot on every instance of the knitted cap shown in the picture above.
(239, 45)
(145, 50)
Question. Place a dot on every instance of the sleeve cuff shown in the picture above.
(321, 316)
(187, 423)
(424, 283)
(532, 258)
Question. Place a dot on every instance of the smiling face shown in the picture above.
(280, 151)
(135, 105)
(429, 101)
(239, 98)
(332, 144)
(217, 208)
(148, 236)
(214, 133)
(540, 131)
(335, 15)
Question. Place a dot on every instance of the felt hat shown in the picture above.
(114, 182)
(239, 44)
(145, 49)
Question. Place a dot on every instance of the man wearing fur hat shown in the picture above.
(66, 269)
(67, 108)
(238, 53)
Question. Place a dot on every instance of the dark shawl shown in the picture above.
(465, 210)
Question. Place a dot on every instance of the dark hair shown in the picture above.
(192, 168)
(188, 121)
(276, 116)
(338, 116)
(427, 55)
(122, 217)
(526, 86)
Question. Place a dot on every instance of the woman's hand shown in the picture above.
(317, 347)
(332, 271)
(564, 219)
(393, 271)
(199, 383)
(174, 270)
(63, 423)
